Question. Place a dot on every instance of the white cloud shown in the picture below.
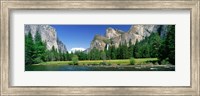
(76, 49)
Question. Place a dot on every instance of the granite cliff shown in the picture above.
(135, 33)
(48, 35)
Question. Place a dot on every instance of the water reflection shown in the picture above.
(97, 68)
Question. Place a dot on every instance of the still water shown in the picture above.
(96, 68)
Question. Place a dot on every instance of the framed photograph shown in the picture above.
(73, 47)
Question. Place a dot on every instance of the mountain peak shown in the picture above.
(99, 37)
(76, 49)
(111, 33)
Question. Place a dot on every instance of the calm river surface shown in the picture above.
(62, 67)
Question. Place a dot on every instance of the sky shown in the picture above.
(80, 36)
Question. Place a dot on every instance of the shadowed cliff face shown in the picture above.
(135, 33)
(48, 35)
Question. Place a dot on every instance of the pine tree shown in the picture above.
(130, 49)
(170, 44)
(167, 48)
(103, 56)
(40, 47)
(136, 49)
(113, 52)
(29, 49)
(54, 54)
(125, 51)
(120, 51)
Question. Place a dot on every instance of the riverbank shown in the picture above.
(66, 67)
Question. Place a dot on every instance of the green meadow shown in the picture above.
(118, 61)
(141, 64)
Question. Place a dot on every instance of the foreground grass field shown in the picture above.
(142, 64)
(119, 61)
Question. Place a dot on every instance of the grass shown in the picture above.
(118, 61)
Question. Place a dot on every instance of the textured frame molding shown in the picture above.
(8, 5)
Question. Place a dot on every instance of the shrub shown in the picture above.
(103, 56)
(132, 61)
(70, 63)
(37, 60)
(103, 63)
(165, 61)
(109, 63)
(75, 59)
(151, 61)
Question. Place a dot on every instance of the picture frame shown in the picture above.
(7, 6)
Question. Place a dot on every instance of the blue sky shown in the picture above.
(80, 36)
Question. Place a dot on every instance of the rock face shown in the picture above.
(135, 33)
(99, 42)
(112, 33)
(61, 46)
(48, 35)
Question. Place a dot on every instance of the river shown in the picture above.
(63, 67)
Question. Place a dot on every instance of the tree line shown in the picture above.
(151, 47)
(37, 52)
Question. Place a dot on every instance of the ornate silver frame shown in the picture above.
(8, 5)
